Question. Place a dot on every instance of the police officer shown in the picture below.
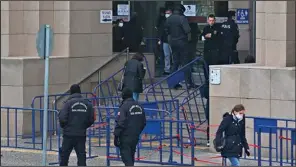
(76, 116)
(179, 35)
(211, 38)
(130, 122)
(230, 36)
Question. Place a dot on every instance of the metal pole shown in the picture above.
(254, 29)
(45, 112)
(127, 54)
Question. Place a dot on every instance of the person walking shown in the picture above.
(75, 117)
(130, 123)
(233, 141)
(134, 74)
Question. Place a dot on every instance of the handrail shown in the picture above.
(97, 70)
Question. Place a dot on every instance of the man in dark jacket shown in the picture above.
(134, 74)
(76, 116)
(178, 30)
(233, 127)
(229, 39)
(130, 123)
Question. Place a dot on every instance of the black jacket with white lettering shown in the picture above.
(131, 119)
(76, 116)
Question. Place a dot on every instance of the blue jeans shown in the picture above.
(234, 161)
(167, 57)
(136, 96)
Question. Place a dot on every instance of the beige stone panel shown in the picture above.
(291, 54)
(58, 71)
(260, 7)
(46, 5)
(275, 53)
(80, 21)
(31, 22)
(257, 107)
(244, 41)
(291, 7)
(46, 17)
(238, 4)
(4, 22)
(58, 89)
(61, 45)
(80, 45)
(11, 72)
(282, 84)
(275, 7)
(61, 22)
(101, 44)
(13, 121)
(112, 67)
(4, 45)
(255, 83)
(16, 45)
(81, 68)
(229, 76)
(16, 22)
(86, 87)
(90, 5)
(291, 27)
(12, 96)
(283, 109)
(260, 25)
(4, 5)
(31, 5)
(16, 5)
(30, 45)
(260, 51)
(61, 5)
(96, 26)
(275, 23)
(29, 93)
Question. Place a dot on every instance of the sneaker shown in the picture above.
(178, 86)
(166, 73)
(208, 144)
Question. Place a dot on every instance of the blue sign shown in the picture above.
(242, 16)
(44, 41)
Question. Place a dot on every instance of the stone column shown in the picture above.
(275, 33)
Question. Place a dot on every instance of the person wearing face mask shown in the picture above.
(233, 141)
(117, 36)
(229, 39)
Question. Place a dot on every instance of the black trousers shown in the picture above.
(70, 142)
(181, 57)
(127, 150)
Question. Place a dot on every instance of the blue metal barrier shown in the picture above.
(159, 127)
(281, 134)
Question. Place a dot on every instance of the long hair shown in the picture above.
(138, 56)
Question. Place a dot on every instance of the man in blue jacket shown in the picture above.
(76, 116)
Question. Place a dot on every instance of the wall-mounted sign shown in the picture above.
(242, 16)
(190, 10)
(123, 10)
(106, 16)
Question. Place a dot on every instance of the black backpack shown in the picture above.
(219, 146)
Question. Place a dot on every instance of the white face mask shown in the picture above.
(120, 24)
(167, 15)
(239, 116)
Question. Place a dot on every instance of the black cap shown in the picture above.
(231, 13)
(75, 89)
(126, 93)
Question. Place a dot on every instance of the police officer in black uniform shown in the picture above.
(179, 34)
(230, 36)
(76, 116)
(130, 123)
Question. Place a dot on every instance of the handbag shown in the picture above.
(219, 146)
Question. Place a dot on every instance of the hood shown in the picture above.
(226, 114)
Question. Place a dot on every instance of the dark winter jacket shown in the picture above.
(131, 119)
(134, 75)
(76, 116)
(235, 136)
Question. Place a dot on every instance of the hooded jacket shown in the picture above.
(234, 135)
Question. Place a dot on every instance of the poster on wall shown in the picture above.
(123, 9)
(106, 16)
(190, 10)
(242, 16)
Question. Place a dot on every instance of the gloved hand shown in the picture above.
(247, 152)
(116, 141)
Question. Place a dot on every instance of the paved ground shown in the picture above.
(29, 157)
